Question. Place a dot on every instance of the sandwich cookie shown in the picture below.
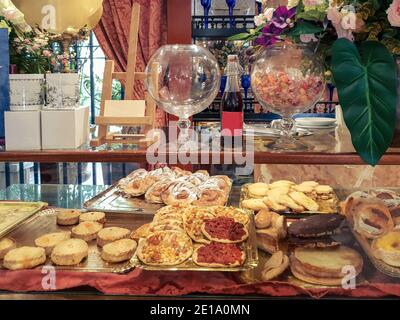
(70, 252)
(49, 241)
(6, 245)
(67, 217)
(24, 258)
(99, 217)
(119, 251)
(112, 234)
(87, 231)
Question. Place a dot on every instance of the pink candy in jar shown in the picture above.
(278, 90)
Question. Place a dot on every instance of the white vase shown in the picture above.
(62, 91)
(26, 92)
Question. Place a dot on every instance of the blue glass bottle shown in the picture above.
(231, 5)
(207, 6)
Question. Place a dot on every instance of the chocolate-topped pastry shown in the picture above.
(321, 242)
(315, 226)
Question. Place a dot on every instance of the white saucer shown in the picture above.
(315, 122)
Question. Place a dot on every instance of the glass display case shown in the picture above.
(241, 223)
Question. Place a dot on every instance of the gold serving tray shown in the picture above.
(243, 196)
(45, 222)
(249, 247)
(112, 201)
(13, 213)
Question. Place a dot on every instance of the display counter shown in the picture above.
(155, 284)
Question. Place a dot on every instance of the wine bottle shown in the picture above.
(232, 101)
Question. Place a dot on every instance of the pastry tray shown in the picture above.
(249, 247)
(111, 200)
(378, 264)
(12, 218)
(289, 214)
(45, 222)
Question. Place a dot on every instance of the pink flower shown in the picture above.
(307, 38)
(394, 13)
(311, 3)
(10, 14)
(46, 53)
(340, 23)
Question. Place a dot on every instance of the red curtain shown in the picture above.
(113, 33)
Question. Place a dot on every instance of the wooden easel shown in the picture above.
(148, 121)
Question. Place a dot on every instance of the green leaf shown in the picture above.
(304, 27)
(240, 36)
(311, 15)
(367, 87)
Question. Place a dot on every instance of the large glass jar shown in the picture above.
(288, 79)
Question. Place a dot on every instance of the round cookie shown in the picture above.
(86, 231)
(112, 234)
(67, 217)
(6, 245)
(119, 251)
(49, 241)
(99, 217)
(70, 252)
(24, 258)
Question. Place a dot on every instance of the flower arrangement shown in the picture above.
(357, 39)
(34, 50)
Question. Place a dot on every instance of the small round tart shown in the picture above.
(165, 248)
(24, 258)
(219, 255)
(49, 241)
(67, 217)
(224, 230)
(70, 252)
(119, 251)
(112, 234)
(231, 212)
(193, 219)
(87, 231)
(387, 248)
(99, 217)
(6, 245)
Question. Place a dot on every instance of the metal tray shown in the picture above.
(249, 247)
(289, 214)
(13, 214)
(378, 264)
(45, 222)
(112, 201)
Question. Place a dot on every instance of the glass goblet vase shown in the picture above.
(183, 80)
(288, 79)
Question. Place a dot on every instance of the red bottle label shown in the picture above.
(232, 124)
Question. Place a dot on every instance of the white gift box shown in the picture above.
(65, 129)
(22, 130)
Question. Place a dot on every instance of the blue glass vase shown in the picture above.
(231, 5)
(4, 77)
(224, 78)
(207, 6)
(259, 7)
(246, 83)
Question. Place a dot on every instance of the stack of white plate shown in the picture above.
(316, 124)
